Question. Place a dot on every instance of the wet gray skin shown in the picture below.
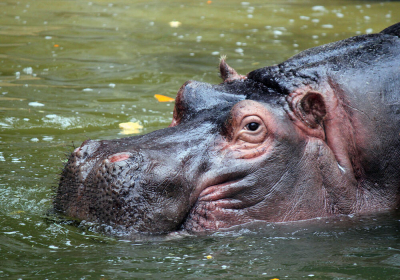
(315, 136)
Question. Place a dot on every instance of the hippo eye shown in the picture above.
(253, 126)
(252, 129)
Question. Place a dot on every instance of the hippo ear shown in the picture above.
(228, 74)
(309, 110)
(313, 108)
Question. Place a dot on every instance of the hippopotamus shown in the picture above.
(317, 135)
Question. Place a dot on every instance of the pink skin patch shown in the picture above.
(119, 157)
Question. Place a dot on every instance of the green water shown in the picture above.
(73, 70)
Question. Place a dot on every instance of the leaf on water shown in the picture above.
(17, 212)
(163, 98)
(175, 24)
(130, 128)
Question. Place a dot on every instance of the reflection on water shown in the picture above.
(73, 70)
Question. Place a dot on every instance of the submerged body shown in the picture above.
(315, 136)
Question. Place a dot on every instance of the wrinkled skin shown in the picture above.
(315, 136)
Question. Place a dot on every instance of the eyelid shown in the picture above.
(249, 119)
(251, 136)
(246, 127)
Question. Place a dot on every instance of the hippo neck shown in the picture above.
(345, 134)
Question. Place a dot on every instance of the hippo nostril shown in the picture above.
(126, 160)
(87, 148)
(119, 157)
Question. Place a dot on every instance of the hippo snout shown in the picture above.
(103, 179)
(91, 150)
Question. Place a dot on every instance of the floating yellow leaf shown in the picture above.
(17, 212)
(163, 98)
(130, 127)
(175, 24)
(209, 257)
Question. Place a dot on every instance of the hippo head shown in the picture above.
(265, 146)
(231, 155)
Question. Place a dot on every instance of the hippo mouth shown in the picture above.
(221, 199)
(222, 186)
(218, 191)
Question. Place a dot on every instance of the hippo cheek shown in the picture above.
(254, 159)
(260, 188)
